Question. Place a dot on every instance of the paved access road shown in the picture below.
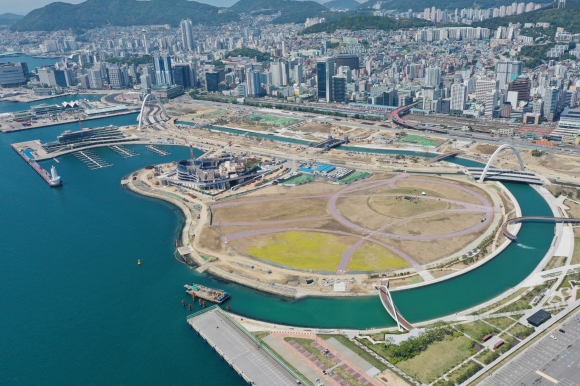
(549, 362)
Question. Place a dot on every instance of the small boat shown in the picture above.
(213, 295)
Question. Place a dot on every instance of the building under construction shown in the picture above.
(219, 172)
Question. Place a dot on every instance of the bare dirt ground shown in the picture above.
(574, 210)
(402, 208)
(428, 251)
(485, 148)
(271, 210)
(439, 224)
(356, 210)
(210, 239)
(309, 189)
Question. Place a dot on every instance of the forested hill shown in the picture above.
(568, 18)
(99, 13)
(357, 23)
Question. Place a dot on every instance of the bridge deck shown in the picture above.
(516, 220)
(390, 307)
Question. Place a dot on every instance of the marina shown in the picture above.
(91, 160)
(253, 361)
(157, 150)
(213, 295)
(123, 151)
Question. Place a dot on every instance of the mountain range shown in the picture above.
(9, 18)
(100, 13)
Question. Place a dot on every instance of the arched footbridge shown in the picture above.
(387, 300)
(516, 220)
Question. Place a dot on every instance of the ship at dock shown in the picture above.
(213, 295)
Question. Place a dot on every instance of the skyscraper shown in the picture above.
(338, 88)
(458, 97)
(254, 83)
(163, 70)
(324, 73)
(212, 80)
(506, 71)
(491, 99)
(433, 77)
(187, 35)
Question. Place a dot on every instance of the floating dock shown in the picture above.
(91, 160)
(157, 150)
(253, 361)
(51, 179)
(123, 151)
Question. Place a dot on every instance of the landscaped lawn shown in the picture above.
(371, 257)
(439, 358)
(477, 329)
(307, 250)
(520, 331)
(502, 323)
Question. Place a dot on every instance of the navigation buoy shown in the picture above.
(139, 262)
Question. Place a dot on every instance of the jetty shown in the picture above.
(157, 150)
(91, 160)
(52, 178)
(123, 151)
(248, 356)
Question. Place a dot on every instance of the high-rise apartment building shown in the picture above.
(163, 70)
(187, 35)
(458, 97)
(551, 96)
(95, 79)
(324, 73)
(521, 85)
(491, 99)
(432, 77)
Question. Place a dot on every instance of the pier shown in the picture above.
(123, 151)
(51, 179)
(91, 160)
(157, 150)
(250, 358)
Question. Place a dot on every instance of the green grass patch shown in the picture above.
(464, 372)
(524, 302)
(487, 356)
(357, 350)
(298, 180)
(306, 250)
(477, 329)
(520, 331)
(501, 302)
(417, 140)
(576, 254)
(270, 120)
(502, 323)
(373, 257)
(356, 175)
(438, 359)
(567, 278)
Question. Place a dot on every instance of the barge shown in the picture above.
(213, 295)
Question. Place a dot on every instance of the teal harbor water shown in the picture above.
(76, 309)
(33, 63)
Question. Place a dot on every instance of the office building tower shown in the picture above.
(212, 80)
(95, 79)
(299, 73)
(253, 82)
(338, 88)
(551, 96)
(482, 87)
(521, 85)
(183, 75)
(11, 74)
(146, 83)
(116, 78)
(163, 70)
(324, 74)
(491, 99)
(352, 61)
(187, 35)
(433, 77)
(458, 97)
(506, 71)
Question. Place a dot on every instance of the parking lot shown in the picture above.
(555, 359)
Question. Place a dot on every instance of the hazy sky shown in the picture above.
(22, 7)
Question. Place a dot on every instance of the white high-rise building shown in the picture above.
(432, 77)
(458, 97)
(506, 71)
(482, 87)
(187, 35)
(491, 99)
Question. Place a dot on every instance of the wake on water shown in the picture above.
(524, 246)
